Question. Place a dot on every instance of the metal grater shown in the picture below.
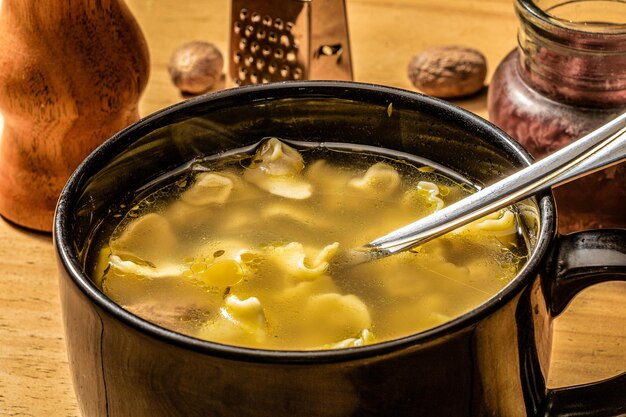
(280, 40)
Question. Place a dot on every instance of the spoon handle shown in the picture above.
(601, 148)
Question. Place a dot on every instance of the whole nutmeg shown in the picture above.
(195, 67)
(448, 71)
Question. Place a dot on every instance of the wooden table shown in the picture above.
(590, 337)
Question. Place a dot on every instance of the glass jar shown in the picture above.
(567, 76)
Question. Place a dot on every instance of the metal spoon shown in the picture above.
(599, 149)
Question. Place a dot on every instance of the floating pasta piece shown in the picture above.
(405, 281)
(492, 272)
(185, 216)
(143, 269)
(203, 201)
(148, 238)
(240, 322)
(327, 177)
(423, 313)
(209, 188)
(133, 281)
(330, 183)
(246, 313)
(500, 223)
(292, 259)
(415, 274)
(332, 317)
(301, 292)
(425, 198)
(288, 187)
(452, 281)
(432, 193)
(284, 311)
(380, 179)
(283, 211)
(365, 337)
(276, 169)
(278, 159)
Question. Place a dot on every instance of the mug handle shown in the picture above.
(580, 260)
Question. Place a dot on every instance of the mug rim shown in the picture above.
(68, 260)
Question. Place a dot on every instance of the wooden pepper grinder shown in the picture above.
(71, 75)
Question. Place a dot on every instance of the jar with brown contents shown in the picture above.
(567, 76)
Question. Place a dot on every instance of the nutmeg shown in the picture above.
(196, 67)
(448, 71)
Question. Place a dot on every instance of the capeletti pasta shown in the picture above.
(242, 250)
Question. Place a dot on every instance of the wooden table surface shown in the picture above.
(590, 337)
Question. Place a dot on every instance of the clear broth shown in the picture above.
(221, 250)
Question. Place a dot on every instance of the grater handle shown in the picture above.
(330, 55)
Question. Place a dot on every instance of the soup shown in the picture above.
(245, 249)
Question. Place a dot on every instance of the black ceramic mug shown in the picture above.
(490, 361)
